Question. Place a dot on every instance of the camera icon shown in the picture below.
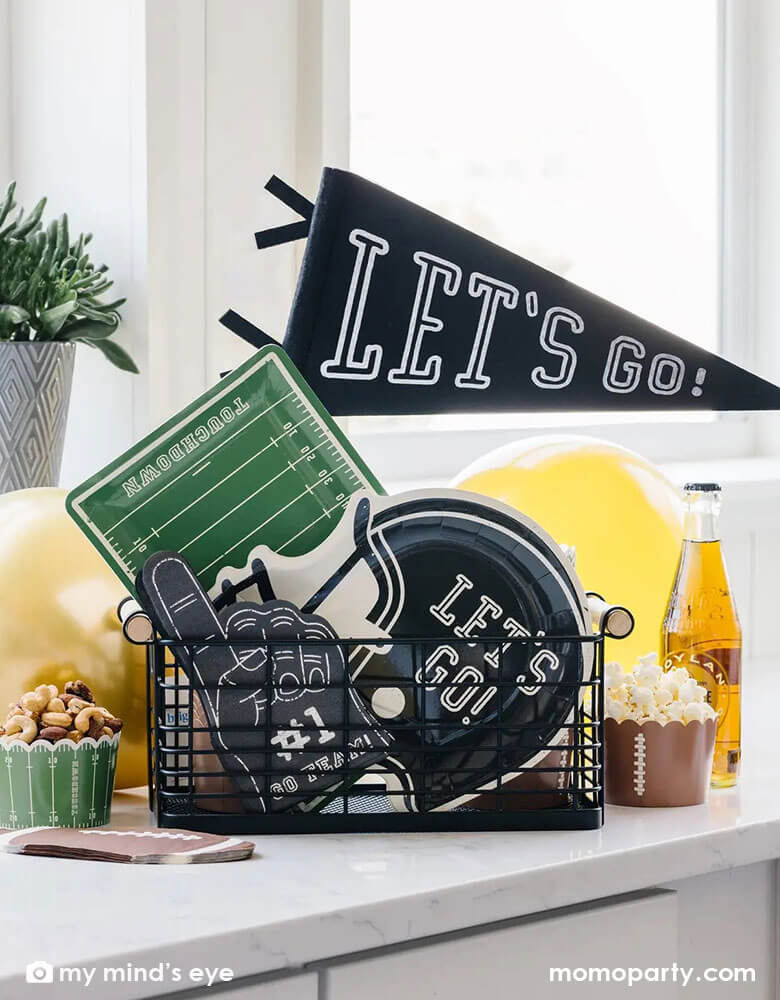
(39, 972)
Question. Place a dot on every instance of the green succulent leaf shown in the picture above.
(52, 320)
(88, 329)
(32, 222)
(8, 202)
(116, 355)
(10, 317)
(95, 314)
(9, 228)
(116, 304)
(62, 237)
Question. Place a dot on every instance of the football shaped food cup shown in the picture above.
(655, 766)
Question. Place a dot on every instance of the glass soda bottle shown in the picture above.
(701, 629)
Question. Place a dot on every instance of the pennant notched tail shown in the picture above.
(247, 331)
(293, 230)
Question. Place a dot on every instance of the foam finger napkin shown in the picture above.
(284, 725)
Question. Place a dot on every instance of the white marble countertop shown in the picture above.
(304, 899)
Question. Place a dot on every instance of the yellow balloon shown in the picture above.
(620, 512)
(58, 619)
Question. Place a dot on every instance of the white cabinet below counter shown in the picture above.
(302, 987)
(515, 960)
(661, 943)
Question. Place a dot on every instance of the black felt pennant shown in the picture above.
(399, 311)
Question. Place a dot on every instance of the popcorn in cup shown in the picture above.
(660, 736)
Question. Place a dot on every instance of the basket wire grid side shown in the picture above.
(189, 786)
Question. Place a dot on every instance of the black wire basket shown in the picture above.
(424, 774)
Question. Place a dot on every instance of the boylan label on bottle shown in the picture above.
(717, 668)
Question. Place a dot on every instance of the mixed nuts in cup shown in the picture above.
(45, 714)
(58, 755)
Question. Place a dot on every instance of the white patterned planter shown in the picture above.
(35, 383)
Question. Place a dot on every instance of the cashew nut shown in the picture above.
(37, 700)
(56, 719)
(105, 731)
(56, 705)
(74, 735)
(75, 705)
(82, 720)
(22, 725)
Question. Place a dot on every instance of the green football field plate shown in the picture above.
(254, 460)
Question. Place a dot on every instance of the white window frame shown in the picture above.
(413, 454)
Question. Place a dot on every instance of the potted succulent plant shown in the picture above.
(51, 298)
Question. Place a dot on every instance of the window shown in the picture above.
(584, 136)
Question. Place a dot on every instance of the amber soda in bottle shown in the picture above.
(701, 629)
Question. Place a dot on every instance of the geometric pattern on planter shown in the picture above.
(35, 383)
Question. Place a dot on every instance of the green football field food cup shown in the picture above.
(61, 784)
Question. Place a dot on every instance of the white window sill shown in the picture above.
(750, 479)
(405, 449)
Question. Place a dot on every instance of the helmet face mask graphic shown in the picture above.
(443, 568)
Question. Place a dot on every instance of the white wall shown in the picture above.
(221, 79)
(75, 89)
(251, 60)
(764, 41)
(5, 94)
